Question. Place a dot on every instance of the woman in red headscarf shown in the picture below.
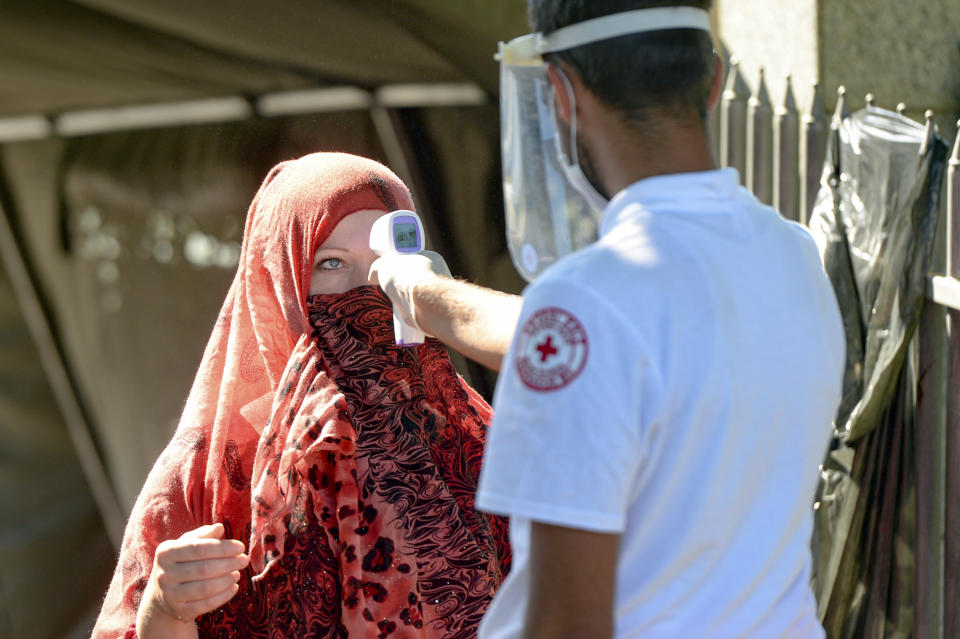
(347, 463)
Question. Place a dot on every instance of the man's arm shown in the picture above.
(572, 579)
(476, 321)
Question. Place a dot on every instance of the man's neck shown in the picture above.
(622, 158)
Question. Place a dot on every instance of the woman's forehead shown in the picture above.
(353, 230)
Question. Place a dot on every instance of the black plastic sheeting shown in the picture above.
(875, 221)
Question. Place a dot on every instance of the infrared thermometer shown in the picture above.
(399, 232)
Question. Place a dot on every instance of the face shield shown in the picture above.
(552, 209)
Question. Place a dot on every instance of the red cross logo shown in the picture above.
(546, 349)
(551, 349)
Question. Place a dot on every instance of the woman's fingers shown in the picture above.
(197, 572)
(199, 554)
(193, 609)
(211, 531)
(194, 549)
(195, 591)
(187, 571)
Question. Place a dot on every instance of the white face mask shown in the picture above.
(569, 155)
(552, 209)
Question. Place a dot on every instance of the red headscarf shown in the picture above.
(265, 313)
(204, 474)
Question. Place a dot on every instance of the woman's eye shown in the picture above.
(330, 264)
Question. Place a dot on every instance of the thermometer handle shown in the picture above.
(398, 233)
(406, 335)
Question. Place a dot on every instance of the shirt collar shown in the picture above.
(696, 192)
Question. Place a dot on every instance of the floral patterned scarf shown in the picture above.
(373, 453)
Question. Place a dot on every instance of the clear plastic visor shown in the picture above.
(546, 217)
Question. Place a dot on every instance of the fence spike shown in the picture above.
(786, 155)
(757, 173)
(733, 119)
(732, 84)
(928, 131)
(955, 156)
(953, 208)
(817, 112)
(735, 88)
(761, 97)
(901, 108)
(789, 100)
(841, 111)
(813, 141)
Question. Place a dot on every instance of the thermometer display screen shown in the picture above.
(405, 235)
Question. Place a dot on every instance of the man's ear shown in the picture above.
(717, 85)
(556, 77)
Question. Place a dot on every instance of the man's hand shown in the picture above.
(478, 322)
(572, 579)
(397, 275)
(193, 574)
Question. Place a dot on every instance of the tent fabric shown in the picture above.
(149, 225)
(61, 54)
(131, 235)
(875, 220)
(53, 547)
(56, 56)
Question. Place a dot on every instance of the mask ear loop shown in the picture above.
(570, 162)
(568, 157)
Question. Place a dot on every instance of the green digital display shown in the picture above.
(405, 235)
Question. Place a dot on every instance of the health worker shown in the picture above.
(676, 363)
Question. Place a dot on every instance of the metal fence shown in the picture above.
(779, 152)
(943, 293)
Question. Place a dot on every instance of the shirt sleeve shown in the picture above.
(566, 442)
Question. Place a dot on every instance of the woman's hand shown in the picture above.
(193, 574)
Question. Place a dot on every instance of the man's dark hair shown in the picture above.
(644, 76)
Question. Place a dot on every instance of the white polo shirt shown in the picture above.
(675, 383)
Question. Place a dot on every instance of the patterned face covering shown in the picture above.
(206, 472)
(372, 454)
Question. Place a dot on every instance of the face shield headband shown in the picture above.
(552, 209)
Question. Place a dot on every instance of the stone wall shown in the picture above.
(898, 51)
